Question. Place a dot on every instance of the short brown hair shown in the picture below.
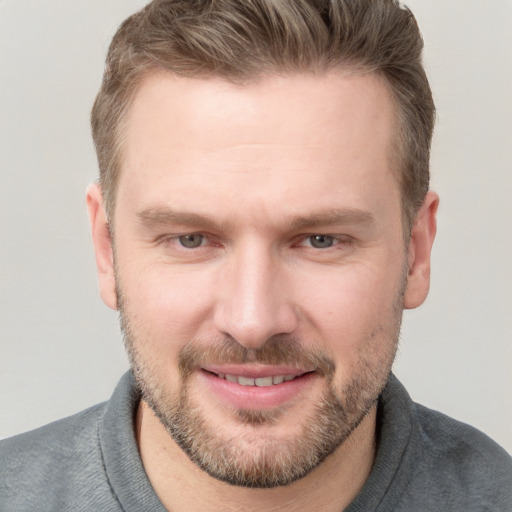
(242, 40)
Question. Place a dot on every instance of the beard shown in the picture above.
(253, 456)
(240, 460)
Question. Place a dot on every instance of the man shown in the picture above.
(262, 219)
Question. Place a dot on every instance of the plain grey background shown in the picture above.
(60, 348)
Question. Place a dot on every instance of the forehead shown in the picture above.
(325, 102)
(284, 138)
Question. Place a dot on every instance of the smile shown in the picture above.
(256, 387)
(260, 381)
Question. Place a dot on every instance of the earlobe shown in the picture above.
(419, 252)
(102, 245)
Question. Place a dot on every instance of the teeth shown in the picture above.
(263, 381)
(260, 381)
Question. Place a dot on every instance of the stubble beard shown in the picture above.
(256, 458)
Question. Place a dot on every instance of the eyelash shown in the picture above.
(335, 240)
(301, 241)
(168, 240)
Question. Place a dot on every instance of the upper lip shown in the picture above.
(255, 371)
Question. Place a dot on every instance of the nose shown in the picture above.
(254, 299)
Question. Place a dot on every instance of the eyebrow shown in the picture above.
(160, 216)
(333, 217)
(164, 216)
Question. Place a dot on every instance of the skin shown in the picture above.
(257, 170)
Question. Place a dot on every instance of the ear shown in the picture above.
(102, 241)
(419, 251)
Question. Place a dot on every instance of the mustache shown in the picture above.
(278, 350)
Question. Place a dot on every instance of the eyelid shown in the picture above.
(174, 238)
(338, 239)
(210, 240)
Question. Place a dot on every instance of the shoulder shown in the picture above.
(58, 439)
(455, 441)
(38, 467)
(428, 461)
(461, 462)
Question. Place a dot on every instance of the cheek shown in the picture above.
(357, 319)
(348, 306)
(167, 307)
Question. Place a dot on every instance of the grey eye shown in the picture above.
(191, 241)
(321, 241)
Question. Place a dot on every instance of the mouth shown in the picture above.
(270, 380)
(247, 387)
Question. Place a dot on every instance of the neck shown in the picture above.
(182, 486)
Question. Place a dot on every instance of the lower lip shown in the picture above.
(256, 397)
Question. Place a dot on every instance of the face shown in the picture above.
(260, 266)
